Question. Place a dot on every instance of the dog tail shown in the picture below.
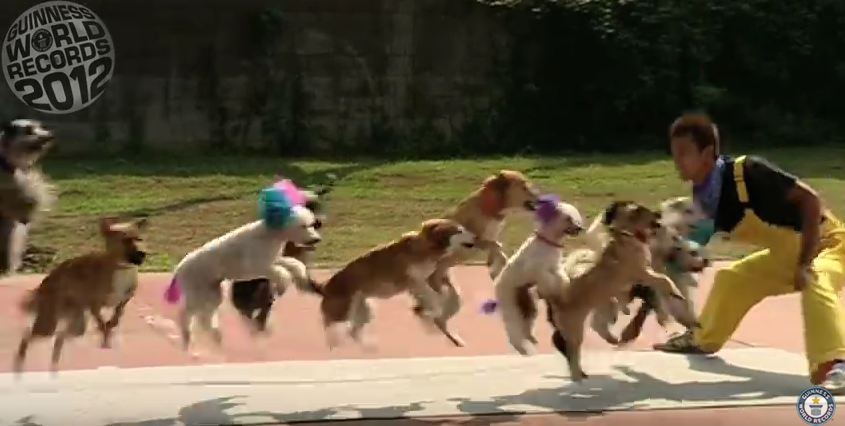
(173, 292)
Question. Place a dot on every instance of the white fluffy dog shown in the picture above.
(536, 263)
(249, 252)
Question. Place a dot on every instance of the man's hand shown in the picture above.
(803, 276)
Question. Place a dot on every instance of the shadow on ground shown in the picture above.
(599, 393)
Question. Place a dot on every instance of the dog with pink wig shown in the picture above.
(249, 252)
(537, 263)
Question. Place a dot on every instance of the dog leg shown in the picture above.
(451, 305)
(12, 245)
(677, 304)
(102, 326)
(601, 320)
(20, 356)
(526, 303)
(496, 258)
(428, 299)
(573, 334)
(633, 329)
(185, 321)
(661, 283)
(360, 316)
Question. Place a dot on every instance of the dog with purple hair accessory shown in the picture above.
(537, 263)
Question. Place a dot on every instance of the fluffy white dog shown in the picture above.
(536, 263)
(248, 252)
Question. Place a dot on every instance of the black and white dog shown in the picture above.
(24, 191)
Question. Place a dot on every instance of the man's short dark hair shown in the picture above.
(698, 127)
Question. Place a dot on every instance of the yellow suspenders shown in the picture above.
(739, 179)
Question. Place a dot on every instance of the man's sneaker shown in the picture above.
(834, 379)
(680, 344)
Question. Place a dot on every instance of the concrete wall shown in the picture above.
(318, 76)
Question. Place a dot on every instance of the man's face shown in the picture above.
(692, 164)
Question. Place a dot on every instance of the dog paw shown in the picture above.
(456, 340)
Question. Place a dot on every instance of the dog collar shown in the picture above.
(548, 241)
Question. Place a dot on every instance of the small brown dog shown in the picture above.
(388, 270)
(625, 260)
(482, 213)
(89, 283)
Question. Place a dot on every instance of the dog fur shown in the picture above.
(667, 246)
(679, 214)
(403, 265)
(246, 253)
(625, 259)
(83, 284)
(482, 213)
(536, 263)
(24, 191)
(254, 298)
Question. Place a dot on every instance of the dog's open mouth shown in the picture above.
(307, 247)
(468, 245)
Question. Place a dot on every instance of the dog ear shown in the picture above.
(498, 182)
(142, 223)
(610, 213)
(438, 234)
(106, 224)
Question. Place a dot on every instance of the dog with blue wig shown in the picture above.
(537, 263)
(248, 252)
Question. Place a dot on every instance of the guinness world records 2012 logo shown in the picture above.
(58, 57)
(816, 406)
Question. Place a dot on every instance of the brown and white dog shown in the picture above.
(536, 263)
(24, 191)
(403, 265)
(624, 260)
(84, 285)
(482, 213)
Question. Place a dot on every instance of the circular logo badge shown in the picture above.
(816, 406)
(58, 57)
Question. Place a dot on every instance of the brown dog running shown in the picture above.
(89, 283)
(482, 213)
(388, 270)
(624, 261)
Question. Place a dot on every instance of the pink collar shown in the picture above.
(548, 241)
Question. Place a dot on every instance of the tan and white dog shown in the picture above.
(537, 263)
(482, 213)
(403, 265)
(24, 191)
(668, 246)
(84, 285)
(248, 252)
(624, 260)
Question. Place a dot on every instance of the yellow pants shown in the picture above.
(765, 273)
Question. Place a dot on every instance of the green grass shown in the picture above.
(191, 200)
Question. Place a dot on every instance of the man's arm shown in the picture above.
(810, 206)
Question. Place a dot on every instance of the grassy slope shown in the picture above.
(193, 200)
